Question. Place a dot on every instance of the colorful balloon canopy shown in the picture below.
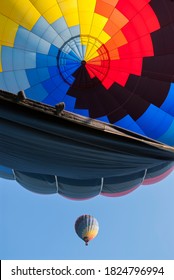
(106, 59)
(86, 227)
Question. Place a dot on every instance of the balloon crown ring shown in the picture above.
(77, 58)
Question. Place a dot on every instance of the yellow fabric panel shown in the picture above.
(104, 37)
(49, 9)
(53, 14)
(43, 5)
(86, 12)
(0, 60)
(91, 50)
(8, 29)
(92, 54)
(85, 20)
(69, 9)
(86, 6)
(20, 11)
(98, 24)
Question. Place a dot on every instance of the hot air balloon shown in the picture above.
(110, 60)
(86, 227)
(111, 63)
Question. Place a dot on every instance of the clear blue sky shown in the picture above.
(137, 226)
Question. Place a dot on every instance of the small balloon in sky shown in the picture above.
(86, 227)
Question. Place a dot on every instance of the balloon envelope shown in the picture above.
(86, 227)
(109, 60)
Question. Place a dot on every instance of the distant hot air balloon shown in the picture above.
(86, 227)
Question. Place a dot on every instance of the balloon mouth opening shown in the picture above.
(83, 62)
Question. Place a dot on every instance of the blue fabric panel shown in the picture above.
(38, 75)
(57, 79)
(21, 38)
(6, 169)
(7, 58)
(22, 79)
(53, 71)
(6, 173)
(51, 100)
(77, 47)
(43, 74)
(128, 123)
(30, 60)
(150, 122)
(41, 60)
(81, 112)
(53, 50)
(83, 50)
(103, 119)
(64, 87)
(40, 26)
(57, 95)
(58, 42)
(75, 30)
(37, 93)
(32, 76)
(32, 42)
(2, 82)
(66, 49)
(10, 81)
(69, 102)
(70, 56)
(167, 105)
(50, 34)
(60, 25)
(18, 61)
(65, 35)
(67, 71)
(43, 47)
(52, 61)
(168, 136)
(67, 75)
(49, 85)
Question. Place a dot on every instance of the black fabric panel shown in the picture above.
(93, 96)
(151, 90)
(162, 39)
(129, 102)
(164, 10)
(159, 68)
